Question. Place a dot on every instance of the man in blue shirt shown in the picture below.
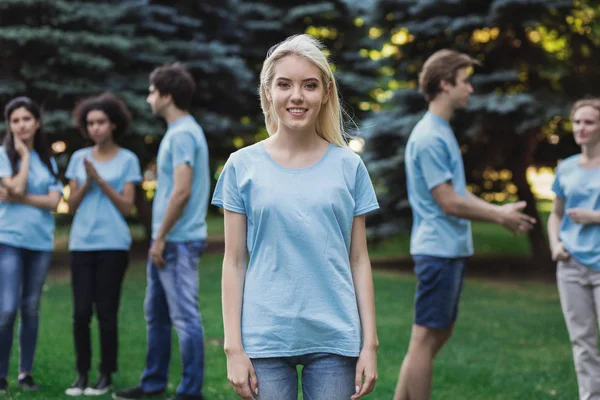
(442, 209)
(178, 239)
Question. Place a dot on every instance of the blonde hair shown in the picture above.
(330, 125)
(594, 103)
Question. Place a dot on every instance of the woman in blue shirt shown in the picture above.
(29, 191)
(102, 180)
(296, 202)
(574, 233)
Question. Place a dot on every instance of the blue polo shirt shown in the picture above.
(23, 225)
(580, 188)
(184, 142)
(432, 157)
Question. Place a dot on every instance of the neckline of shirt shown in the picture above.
(294, 170)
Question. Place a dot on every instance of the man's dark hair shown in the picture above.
(174, 79)
(111, 105)
(442, 66)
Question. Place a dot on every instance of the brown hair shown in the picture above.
(442, 66)
(176, 80)
(111, 105)
(592, 102)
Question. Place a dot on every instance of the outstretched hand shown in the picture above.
(513, 218)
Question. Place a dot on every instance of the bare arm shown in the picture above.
(362, 277)
(475, 209)
(179, 197)
(123, 201)
(554, 221)
(48, 201)
(77, 194)
(17, 184)
(240, 371)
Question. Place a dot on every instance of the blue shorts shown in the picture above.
(438, 290)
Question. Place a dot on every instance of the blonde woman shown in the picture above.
(296, 202)
(574, 233)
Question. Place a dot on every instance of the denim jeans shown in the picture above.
(172, 299)
(22, 276)
(324, 377)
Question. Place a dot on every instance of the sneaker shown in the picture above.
(78, 386)
(103, 385)
(27, 383)
(135, 393)
(3, 385)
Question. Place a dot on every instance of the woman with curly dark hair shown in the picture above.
(102, 180)
(29, 191)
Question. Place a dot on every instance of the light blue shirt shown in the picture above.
(98, 224)
(27, 226)
(298, 294)
(580, 188)
(184, 142)
(432, 157)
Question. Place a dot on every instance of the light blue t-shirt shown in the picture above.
(27, 226)
(298, 294)
(184, 142)
(432, 157)
(98, 224)
(580, 187)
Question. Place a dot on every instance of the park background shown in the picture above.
(538, 56)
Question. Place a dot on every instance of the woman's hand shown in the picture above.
(241, 375)
(366, 367)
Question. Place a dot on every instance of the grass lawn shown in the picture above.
(510, 342)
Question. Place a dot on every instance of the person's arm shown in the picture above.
(554, 221)
(47, 201)
(182, 191)
(239, 366)
(508, 215)
(77, 194)
(362, 277)
(17, 184)
(123, 201)
(583, 216)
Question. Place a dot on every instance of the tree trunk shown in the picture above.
(523, 152)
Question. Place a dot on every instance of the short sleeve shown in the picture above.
(183, 149)
(227, 192)
(57, 184)
(133, 173)
(434, 161)
(5, 167)
(365, 199)
(71, 172)
(556, 185)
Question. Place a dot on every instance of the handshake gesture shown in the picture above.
(513, 219)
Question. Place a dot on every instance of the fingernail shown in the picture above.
(357, 389)
(257, 391)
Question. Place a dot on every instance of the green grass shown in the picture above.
(510, 342)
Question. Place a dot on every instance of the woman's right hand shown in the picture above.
(559, 253)
(20, 146)
(241, 375)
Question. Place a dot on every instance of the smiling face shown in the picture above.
(586, 126)
(297, 93)
(99, 126)
(24, 125)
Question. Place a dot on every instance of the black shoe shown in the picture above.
(78, 386)
(103, 385)
(3, 385)
(27, 383)
(135, 393)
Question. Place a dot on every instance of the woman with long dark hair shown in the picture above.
(29, 191)
(101, 177)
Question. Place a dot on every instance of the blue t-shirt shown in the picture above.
(432, 157)
(27, 226)
(184, 142)
(98, 224)
(580, 188)
(298, 294)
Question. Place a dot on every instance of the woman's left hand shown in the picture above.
(582, 216)
(366, 367)
(8, 197)
(90, 170)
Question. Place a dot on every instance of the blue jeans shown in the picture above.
(439, 288)
(324, 377)
(22, 276)
(172, 299)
